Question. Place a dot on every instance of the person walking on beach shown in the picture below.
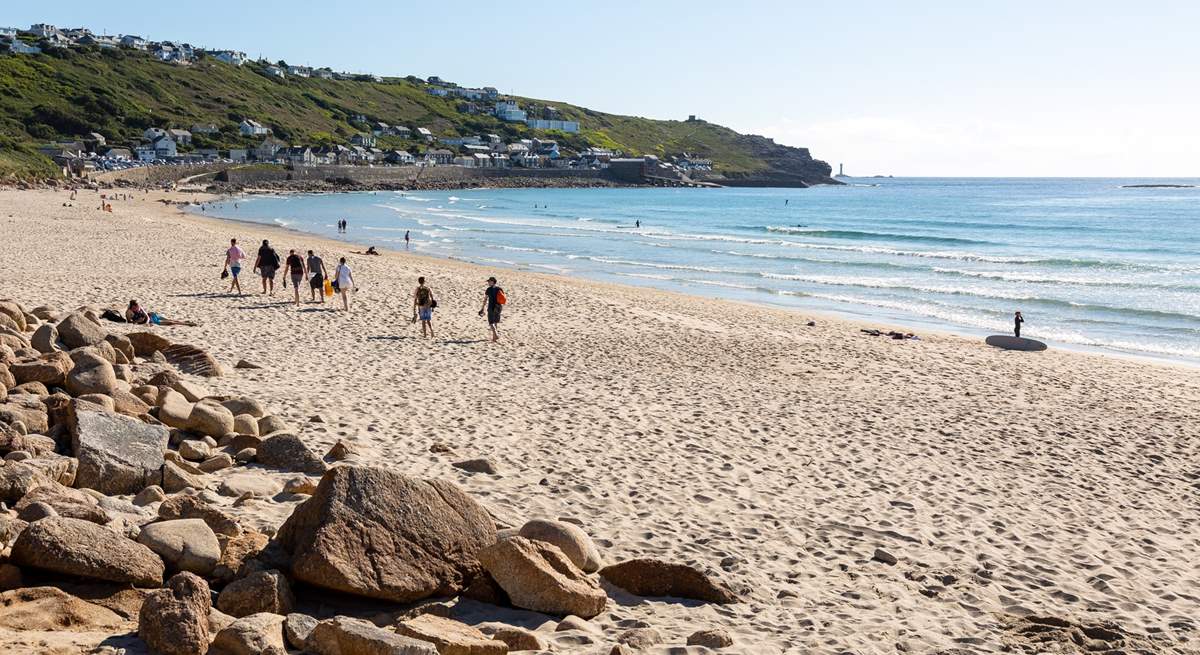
(423, 304)
(406, 239)
(316, 283)
(266, 264)
(1017, 321)
(294, 267)
(343, 281)
(493, 301)
(233, 264)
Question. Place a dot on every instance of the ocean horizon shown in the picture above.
(1091, 263)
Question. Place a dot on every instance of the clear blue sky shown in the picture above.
(916, 88)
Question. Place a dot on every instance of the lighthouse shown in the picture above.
(841, 173)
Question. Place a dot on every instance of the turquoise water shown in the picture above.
(1089, 263)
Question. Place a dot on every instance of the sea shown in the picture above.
(1092, 264)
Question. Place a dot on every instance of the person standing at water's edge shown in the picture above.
(406, 239)
(1017, 321)
(493, 301)
(423, 304)
(233, 264)
(343, 281)
(266, 264)
(316, 283)
(294, 268)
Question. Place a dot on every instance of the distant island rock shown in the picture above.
(1158, 186)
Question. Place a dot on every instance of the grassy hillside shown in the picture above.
(119, 93)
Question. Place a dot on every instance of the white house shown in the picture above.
(323, 73)
(42, 30)
(182, 137)
(365, 140)
(19, 47)
(165, 147)
(424, 133)
(400, 158)
(299, 71)
(500, 160)
(570, 127)
(300, 155)
(267, 150)
(253, 128)
(437, 91)
(145, 152)
(153, 133)
(10, 32)
(508, 110)
(274, 71)
(133, 41)
(237, 154)
(204, 128)
(462, 141)
(230, 57)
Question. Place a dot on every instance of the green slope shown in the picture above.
(119, 93)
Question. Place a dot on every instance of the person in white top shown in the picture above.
(233, 264)
(344, 281)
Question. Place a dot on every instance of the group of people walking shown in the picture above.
(312, 270)
(300, 270)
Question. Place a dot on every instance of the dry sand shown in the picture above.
(1007, 485)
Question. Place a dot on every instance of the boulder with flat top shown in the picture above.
(537, 576)
(377, 533)
(76, 547)
(77, 331)
(117, 454)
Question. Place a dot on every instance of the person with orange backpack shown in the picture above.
(493, 302)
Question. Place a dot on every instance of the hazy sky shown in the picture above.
(915, 88)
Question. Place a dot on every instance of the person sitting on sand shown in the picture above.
(1017, 321)
(369, 251)
(138, 316)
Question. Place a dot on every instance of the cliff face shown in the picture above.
(787, 166)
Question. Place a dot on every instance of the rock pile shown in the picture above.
(115, 460)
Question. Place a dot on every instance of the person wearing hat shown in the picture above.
(493, 301)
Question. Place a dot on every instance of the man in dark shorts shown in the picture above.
(316, 284)
(493, 301)
(266, 264)
(293, 267)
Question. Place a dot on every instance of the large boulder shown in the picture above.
(121, 344)
(146, 344)
(381, 534)
(49, 609)
(272, 424)
(77, 331)
(243, 405)
(50, 369)
(343, 635)
(208, 417)
(185, 544)
(256, 634)
(92, 373)
(45, 338)
(570, 539)
(15, 313)
(66, 502)
(77, 547)
(173, 409)
(286, 452)
(174, 621)
(117, 454)
(451, 637)
(176, 478)
(189, 506)
(538, 576)
(192, 360)
(18, 478)
(238, 555)
(261, 591)
(651, 577)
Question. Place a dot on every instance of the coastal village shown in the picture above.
(375, 141)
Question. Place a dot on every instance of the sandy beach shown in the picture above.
(863, 495)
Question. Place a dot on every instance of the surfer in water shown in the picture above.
(1017, 321)
(637, 224)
